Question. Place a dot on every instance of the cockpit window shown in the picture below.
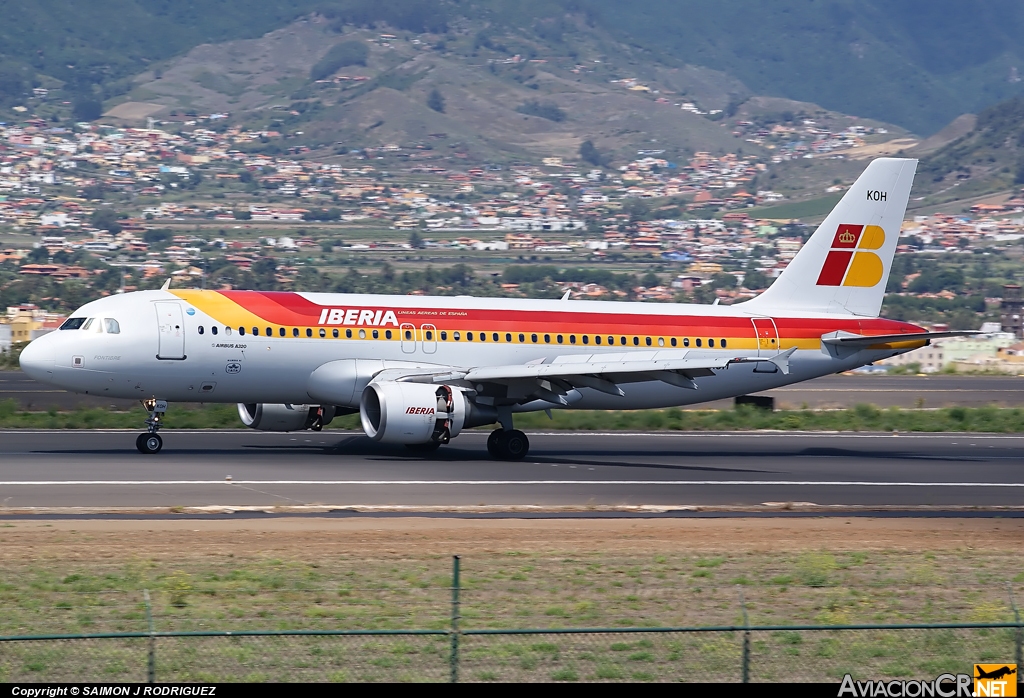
(88, 323)
(73, 323)
(111, 326)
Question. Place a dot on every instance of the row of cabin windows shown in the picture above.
(482, 336)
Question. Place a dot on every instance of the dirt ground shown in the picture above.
(306, 538)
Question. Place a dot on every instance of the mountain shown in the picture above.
(987, 158)
(915, 63)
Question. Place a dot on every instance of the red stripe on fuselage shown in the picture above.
(292, 309)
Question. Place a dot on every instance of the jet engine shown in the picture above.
(413, 413)
(265, 417)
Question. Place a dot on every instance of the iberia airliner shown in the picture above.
(419, 370)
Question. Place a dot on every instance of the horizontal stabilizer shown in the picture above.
(845, 339)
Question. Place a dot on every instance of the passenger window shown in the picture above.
(255, 331)
(295, 332)
(698, 341)
(73, 323)
(387, 333)
(213, 330)
(558, 339)
(444, 335)
(227, 331)
(533, 338)
(648, 341)
(661, 341)
(348, 334)
(430, 334)
(674, 342)
(309, 332)
(408, 334)
(597, 339)
(201, 330)
(508, 337)
(362, 334)
(323, 333)
(483, 336)
(636, 341)
(376, 334)
(572, 339)
(469, 336)
(722, 342)
(611, 340)
(280, 331)
(455, 336)
(335, 333)
(586, 339)
(494, 336)
(270, 331)
(547, 339)
(522, 337)
(711, 343)
(622, 341)
(241, 331)
(686, 341)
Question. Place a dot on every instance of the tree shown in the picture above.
(87, 109)
(590, 154)
(755, 280)
(339, 56)
(242, 215)
(415, 241)
(106, 219)
(436, 100)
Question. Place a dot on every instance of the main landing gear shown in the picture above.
(150, 442)
(508, 444)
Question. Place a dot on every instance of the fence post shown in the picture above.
(1019, 653)
(151, 669)
(454, 657)
(746, 638)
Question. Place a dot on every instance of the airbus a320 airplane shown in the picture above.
(419, 370)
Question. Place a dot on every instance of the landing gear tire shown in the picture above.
(496, 443)
(508, 445)
(149, 443)
(428, 447)
(516, 445)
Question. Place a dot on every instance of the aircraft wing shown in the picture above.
(848, 339)
(603, 372)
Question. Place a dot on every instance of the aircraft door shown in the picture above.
(429, 339)
(767, 336)
(408, 333)
(171, 327)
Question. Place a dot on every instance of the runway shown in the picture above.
(822, 393)
(584, 471)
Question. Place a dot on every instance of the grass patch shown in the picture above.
(742, 418)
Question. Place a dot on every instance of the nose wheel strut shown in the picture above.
(150, 442)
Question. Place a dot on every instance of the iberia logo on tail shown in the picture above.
(847, 263)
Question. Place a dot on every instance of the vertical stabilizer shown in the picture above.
(843, 268)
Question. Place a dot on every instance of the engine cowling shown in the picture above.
(412, 413)
(269, 417)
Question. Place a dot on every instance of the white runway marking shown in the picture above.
(355, 483)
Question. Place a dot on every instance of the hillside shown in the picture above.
(914, 63)
(987, 158)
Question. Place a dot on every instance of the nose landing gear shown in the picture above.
(150, 442)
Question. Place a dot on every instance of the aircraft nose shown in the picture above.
(37, 359)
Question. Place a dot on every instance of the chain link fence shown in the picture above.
(737, 653)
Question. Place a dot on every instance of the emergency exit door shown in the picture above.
(767, 336)
(171, 325)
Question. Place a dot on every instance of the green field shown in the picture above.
(858, 418)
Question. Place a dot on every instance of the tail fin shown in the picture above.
(844, 266)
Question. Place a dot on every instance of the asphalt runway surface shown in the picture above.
(101, 469)
(823, 393)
